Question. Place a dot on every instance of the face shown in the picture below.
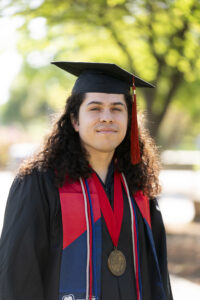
(102, 121)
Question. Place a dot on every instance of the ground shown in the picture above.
(183, 243)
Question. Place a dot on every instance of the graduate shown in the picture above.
(82, 220)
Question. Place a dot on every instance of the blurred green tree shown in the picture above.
(157, 40)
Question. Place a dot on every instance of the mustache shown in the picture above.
(106, 127)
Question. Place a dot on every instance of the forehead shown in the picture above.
(104, 98)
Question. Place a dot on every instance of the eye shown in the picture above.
(116, 109)
(95, 108)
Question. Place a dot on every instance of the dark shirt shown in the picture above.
(117, 287)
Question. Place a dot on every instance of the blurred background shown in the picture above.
(157, 40)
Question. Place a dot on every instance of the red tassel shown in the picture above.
(135, 148)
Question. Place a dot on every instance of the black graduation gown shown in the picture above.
(31, 245)
(124, 287)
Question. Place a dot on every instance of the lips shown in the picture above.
(106, 130)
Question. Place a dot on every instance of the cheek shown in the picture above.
(124, 131)
(123, 122)
(86, 125)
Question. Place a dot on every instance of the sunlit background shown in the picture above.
(157, 40)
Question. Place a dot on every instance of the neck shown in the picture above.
(100, 162)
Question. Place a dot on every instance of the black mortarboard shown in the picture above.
(100, 77)
(107, 78)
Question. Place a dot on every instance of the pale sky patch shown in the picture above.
(10, 60)
(37, 28)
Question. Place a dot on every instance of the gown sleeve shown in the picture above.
(24, 241)
(159, 236)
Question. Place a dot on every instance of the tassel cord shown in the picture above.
(135, 147)
(93, 243)
(138, 249)
(134, 240)
(88, 239)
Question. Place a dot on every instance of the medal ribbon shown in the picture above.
(113, 217)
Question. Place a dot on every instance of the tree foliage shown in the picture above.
(157, 40)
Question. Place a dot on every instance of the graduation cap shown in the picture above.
(108, 78)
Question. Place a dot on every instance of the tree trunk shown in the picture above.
(155, 119)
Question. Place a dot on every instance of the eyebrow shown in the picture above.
(100, 103)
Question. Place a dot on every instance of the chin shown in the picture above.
(106, 148)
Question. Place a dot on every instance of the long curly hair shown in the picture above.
(62, 151)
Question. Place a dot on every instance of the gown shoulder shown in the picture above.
(24, 243)
(159, 236)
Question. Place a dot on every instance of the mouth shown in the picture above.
(106, 130)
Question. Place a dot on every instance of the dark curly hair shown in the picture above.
(62, 151)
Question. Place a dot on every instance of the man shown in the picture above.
(82, 220)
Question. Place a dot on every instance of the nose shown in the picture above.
(106, 116)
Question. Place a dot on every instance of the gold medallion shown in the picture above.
(117, 262)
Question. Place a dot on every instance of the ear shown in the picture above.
(74, 122)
